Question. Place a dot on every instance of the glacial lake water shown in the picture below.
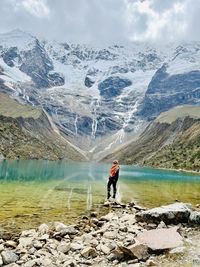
(34, 192)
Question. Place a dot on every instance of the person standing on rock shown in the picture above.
(113, 178)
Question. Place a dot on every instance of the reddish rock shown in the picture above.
(161, 239)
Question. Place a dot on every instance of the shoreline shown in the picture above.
(171, 169)
(105, 236)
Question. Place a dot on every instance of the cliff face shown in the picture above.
(171, 141)
(26, 132)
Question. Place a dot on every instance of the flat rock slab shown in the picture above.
(174, 213)
(161, 239)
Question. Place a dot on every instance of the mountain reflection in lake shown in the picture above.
(33, 192)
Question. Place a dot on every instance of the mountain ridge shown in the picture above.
(99, 98)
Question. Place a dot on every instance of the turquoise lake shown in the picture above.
(34, 192)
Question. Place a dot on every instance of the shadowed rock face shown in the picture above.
(113, 86)
(38, 66)
(166, 91)
(10, 55)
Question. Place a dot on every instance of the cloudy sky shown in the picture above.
(104, 21)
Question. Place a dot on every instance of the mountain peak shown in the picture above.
(17, 38)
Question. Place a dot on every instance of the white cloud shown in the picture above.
(104, 21)
(37, 8)
(168, 24)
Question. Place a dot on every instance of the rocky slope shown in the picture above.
(27, 132)
(99, 98)
(171, 141)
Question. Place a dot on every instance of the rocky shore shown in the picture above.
(126, 235)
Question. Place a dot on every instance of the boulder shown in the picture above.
(161, 239)
(9, 257)
(174, 213)
(195, 218)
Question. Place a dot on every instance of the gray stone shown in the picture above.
(64, 247)
(161, 225)
(46, 262)
(30, 263)
(110, 235)
(29, 233)
(1, 261)
(9, 257)
(12, 265)
(195, 218)
(174, 213)
(76, 246)
(161, 239)
(10, 243)
(1, 247)
(37, 244)
(25, 242)
(94, 220)
(89, 252)
(134, 265)
(69, 263)
(105, 249)
(43, 229)
(69, 230)
(59, 226)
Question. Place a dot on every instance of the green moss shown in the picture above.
(11, 108)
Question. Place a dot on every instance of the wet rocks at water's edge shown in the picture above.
(126, 236)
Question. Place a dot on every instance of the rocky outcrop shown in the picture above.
(166, 91)
(113, 86)
(175, 213)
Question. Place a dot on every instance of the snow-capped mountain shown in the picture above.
(99, 97)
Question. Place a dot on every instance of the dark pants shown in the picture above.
(112, 182)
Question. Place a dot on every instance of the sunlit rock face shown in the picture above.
(99, 98)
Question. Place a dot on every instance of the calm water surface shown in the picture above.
(33, 192)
